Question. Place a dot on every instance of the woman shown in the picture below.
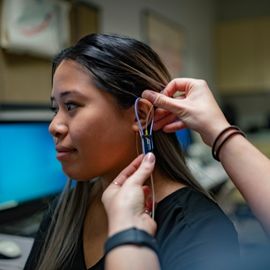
(95, 85)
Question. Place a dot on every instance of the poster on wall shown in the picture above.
(35, 27)
(167, 39)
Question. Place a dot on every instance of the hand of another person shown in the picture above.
(187, 103)
(127, 200)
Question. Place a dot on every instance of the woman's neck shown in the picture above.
(163, 185)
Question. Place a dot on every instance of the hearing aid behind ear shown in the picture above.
(145, 134)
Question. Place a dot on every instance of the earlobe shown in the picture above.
(145, 112)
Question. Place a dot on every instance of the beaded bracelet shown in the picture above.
(217, 147)
(132, 236)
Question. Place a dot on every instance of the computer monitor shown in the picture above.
(29, 170)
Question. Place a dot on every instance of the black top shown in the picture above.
(193, 234)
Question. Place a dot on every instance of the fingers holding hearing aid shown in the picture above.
(187, 103)
(127, 200)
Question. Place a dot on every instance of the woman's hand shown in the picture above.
(195, 108)
(127, 200)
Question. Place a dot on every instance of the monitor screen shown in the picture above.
(29, 169)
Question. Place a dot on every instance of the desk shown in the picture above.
(25, 244)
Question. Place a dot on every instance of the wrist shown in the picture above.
(215, 130)
(131, 236)
(119, 223)
(116, 228)
(223, 137)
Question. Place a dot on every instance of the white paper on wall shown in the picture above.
(37, 27)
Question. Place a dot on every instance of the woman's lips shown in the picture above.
(64, 153)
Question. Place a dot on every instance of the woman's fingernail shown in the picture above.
(150, 157)
(149, 94)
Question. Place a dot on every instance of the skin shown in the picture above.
(88, 122)
(95, 137)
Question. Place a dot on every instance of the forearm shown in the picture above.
(132, 258)
(249, 170)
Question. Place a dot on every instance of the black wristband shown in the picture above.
(218, 138)
(217, 145)
(225, 140)
(132, 236)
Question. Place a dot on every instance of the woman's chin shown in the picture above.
(77, 176)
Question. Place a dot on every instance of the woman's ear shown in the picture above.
(145, 112)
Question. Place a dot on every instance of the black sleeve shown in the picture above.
(33, 257)
(208, 243)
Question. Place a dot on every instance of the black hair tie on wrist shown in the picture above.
(132, 236)
(223, 137)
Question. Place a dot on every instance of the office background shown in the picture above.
(224, 42)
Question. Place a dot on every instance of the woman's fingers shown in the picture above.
(148, 199)
(169, 118)
(160, 113)
(179, 84)
(128, 171)
(162, 101)
(173, 127)
(144, 171)
(138, 171)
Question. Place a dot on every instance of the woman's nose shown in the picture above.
(58, 128)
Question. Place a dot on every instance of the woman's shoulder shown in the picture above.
(187, 198)
(191, 227)
(193, 209)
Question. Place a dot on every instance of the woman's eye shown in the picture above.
(70, 106)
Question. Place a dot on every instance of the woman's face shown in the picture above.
(93, 135)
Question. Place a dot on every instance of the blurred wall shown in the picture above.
(252, 108)
(238, 9)
(195, 16)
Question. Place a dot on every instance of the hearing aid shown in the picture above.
(145, 134)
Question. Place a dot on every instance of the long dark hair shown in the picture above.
(123, 67)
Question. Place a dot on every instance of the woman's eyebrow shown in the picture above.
(69, 93)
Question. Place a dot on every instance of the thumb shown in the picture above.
(164, 102)
(144, 171)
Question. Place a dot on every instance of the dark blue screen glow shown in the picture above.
(184, 137)
(28, 166)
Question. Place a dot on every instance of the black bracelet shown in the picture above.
(225, 140)
(219, 136)
(216, 147)
(132, 236)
